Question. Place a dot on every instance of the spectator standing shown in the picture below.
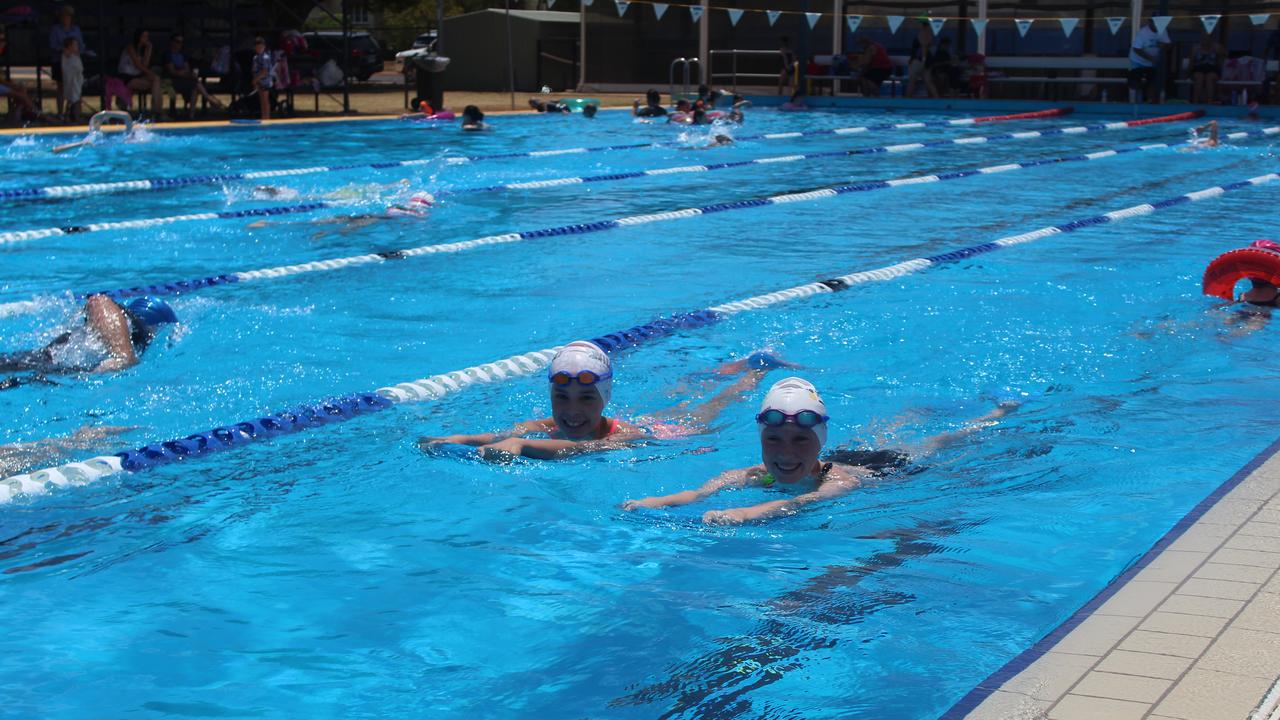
(1142, 60)
(263, 64)
(69, 90)
(788, 65)
(65, 28)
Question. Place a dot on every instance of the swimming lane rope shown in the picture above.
(185, 286)
(86, 189)
(437, 387)
(18, 236)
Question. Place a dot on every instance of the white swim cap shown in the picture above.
(793, 395)
(585, 356)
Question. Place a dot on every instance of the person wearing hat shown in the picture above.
(111, 337)
(793, 430)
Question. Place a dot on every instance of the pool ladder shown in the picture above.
(671, 76)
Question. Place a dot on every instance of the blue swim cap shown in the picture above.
(152, 311)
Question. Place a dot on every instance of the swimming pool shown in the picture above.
(340, 571)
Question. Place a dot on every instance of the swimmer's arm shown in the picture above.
(520, 430)
(106, 318)
(832, 488)
(729, 478)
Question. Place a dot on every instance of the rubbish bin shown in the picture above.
(427, 68)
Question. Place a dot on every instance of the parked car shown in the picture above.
(366, 53)
(425, 40)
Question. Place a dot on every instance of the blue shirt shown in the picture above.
(58, 35)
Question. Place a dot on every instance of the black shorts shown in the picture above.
(1141, 77)
(880, 462)
(56, 69)
(876, 75)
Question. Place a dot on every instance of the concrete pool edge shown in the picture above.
(1118, 656)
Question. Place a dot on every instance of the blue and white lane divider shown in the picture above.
(179, 287)
(10, 238)
(438, 387)
(104, 188)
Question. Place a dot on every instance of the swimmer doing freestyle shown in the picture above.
(110, 337)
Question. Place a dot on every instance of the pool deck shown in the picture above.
(1190, 632)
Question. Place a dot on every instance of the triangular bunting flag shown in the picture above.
(773, 16)
(658, 9)
(1161, 21)
(1114, 23)
(734, 16)
(1069, 25)
(853, 21)
(551, 4)
(895, 22)
(1023, 26)
(1260, 19)
(979, 26)
(813, 19)
(936, 24)
(1210, 22)
(695, 12)
(622, 6)
(587, 2)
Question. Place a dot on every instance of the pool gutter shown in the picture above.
(1190, 631)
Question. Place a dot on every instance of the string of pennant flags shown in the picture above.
(1068, 24)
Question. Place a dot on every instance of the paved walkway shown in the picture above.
(1191, 632)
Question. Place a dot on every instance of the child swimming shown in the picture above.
(580, 380)
(793, 429)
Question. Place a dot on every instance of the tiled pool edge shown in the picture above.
(1006, 692)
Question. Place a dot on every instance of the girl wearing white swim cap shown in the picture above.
(580, 380)
(793, 429)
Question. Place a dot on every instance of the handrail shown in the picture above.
(734, 74)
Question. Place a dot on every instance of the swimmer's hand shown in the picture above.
(723, 517)
(112, 364)
(650, 503)
(503, 451)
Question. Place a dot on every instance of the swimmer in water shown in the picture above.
(473, 119)
(793, 429)
(580, 380)
(1197, 141)
(651, 108)
(111, 337)
(21, 457)
(416, 207)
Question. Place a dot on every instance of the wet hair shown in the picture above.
(137, 36)
(653, 97)
(683, 105)
(589, 110)
(472, 114)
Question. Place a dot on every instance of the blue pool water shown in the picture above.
(342, 573)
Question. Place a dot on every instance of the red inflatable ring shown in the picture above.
(1260, 261)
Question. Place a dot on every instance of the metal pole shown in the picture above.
(982, 36)
(837, 40)
(582, 45)
(346, 58)
(511, 67)
(439, 27)
(704, 42)
(102, 52)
